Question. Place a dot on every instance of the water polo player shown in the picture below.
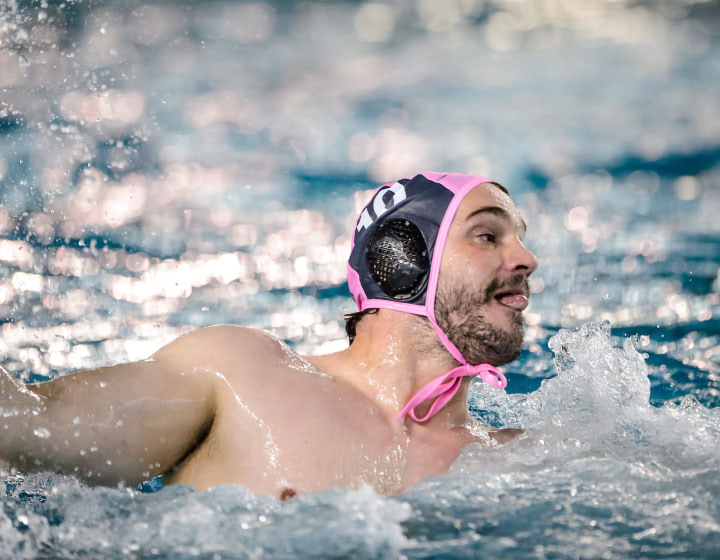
(439, 272)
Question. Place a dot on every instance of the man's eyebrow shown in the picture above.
(497, 212)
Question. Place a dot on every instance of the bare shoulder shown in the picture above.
(229, 352)
(225, 339)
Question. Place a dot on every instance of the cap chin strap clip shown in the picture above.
(443, 389)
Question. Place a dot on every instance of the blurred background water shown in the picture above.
(170, 165)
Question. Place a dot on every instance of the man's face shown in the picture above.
(483, 283)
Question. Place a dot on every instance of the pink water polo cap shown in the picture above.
(394, 263)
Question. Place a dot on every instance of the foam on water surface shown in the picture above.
(601, 399)
(598, 473)
(56, 517)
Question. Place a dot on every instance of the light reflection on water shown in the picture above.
(170, 162)
(161, 165)
(172, 165)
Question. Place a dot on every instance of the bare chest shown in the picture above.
(308, 434)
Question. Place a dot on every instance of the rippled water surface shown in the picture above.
(170, 165)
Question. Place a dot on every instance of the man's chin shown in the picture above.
(503, 316)
(498, 359)
(508, 345)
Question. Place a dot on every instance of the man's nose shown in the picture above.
(521, 260)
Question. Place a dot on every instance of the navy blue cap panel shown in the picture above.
(420, 201)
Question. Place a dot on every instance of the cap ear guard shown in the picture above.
(397, 258)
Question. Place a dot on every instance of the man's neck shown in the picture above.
(391, 359)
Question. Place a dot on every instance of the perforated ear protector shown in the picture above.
(398, 259)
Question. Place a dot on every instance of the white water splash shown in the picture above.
(599, 403)
(179, 522)
(599, 472)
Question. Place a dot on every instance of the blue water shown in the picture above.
(166, 166)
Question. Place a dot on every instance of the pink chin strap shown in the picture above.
(444, 387)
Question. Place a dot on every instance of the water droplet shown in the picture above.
(42, 433)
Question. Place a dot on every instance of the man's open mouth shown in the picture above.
(514, 299)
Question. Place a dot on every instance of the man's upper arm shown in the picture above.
(128, 422)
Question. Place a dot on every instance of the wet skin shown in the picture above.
(228, 404)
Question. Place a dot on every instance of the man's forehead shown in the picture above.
(489, 198)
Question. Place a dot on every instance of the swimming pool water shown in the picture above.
(162, 170)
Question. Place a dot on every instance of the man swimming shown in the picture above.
(440, 275)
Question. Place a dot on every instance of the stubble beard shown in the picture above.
(459, 313)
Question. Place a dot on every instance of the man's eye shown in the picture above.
(488, 237)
